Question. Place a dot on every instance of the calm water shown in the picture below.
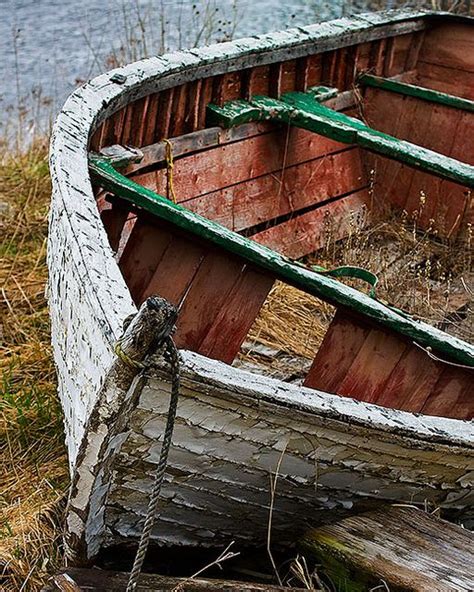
(47, 47)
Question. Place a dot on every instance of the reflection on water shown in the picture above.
(47, 47)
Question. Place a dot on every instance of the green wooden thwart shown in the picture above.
(318, 284)
(419, 92)
(304, 110)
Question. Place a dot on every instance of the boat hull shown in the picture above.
(235, 431)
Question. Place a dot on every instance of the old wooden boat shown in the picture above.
(384, 411)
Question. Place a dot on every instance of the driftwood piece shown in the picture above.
(77, 580)
(398, 548)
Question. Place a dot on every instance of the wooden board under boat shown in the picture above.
(383, 409)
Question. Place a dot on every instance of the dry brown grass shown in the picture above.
(33, 469)
(430, 278)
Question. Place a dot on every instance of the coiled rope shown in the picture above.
(172, 357)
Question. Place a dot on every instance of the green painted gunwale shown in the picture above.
(304, 110)
(419, 92)
(312, 282)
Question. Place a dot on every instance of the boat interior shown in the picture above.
(285, 155)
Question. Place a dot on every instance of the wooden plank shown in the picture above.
(155, 154)
(175, 271)
(209, 290)
(394, 548)
(452, 395)
(268, 197)
(410, 382)
(97, 580)
(235, 318)
(445, 79)
(236, 162)
(141, 255)
(433, 209)
(366, 376)
(308, 232)
(449, 45)
(340, 345)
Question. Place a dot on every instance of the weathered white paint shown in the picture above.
(232, 426)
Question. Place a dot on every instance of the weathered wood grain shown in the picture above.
(397, 549)
(96, 580)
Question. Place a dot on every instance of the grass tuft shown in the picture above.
(33, 468)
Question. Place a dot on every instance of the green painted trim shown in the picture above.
(292, 272)
(419, 92)
(302, 110)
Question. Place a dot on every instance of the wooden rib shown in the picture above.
(207, 294)
(308, 232)
(377, 57)
(113, 128)
(260, 80)
(164, 114)
(452, 395)
(114, 219)
(274, 80)
(413, 52)
(352, 57)
(410, 382)
(239, 161)
(417, 134)
(149, 124)
(175, 270)
(400, 50)
(217, 88)
(341, 68)
(95, 143)
(206, 98)
(302, 74)
(288, 76)
(267, 197)
(389, 57)
(340, 345)
(329, 63)
(363, 56)
(142, 253)
(235, 318)
(314, 69)
(372, 366)
(178, 111)
(191, 117)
